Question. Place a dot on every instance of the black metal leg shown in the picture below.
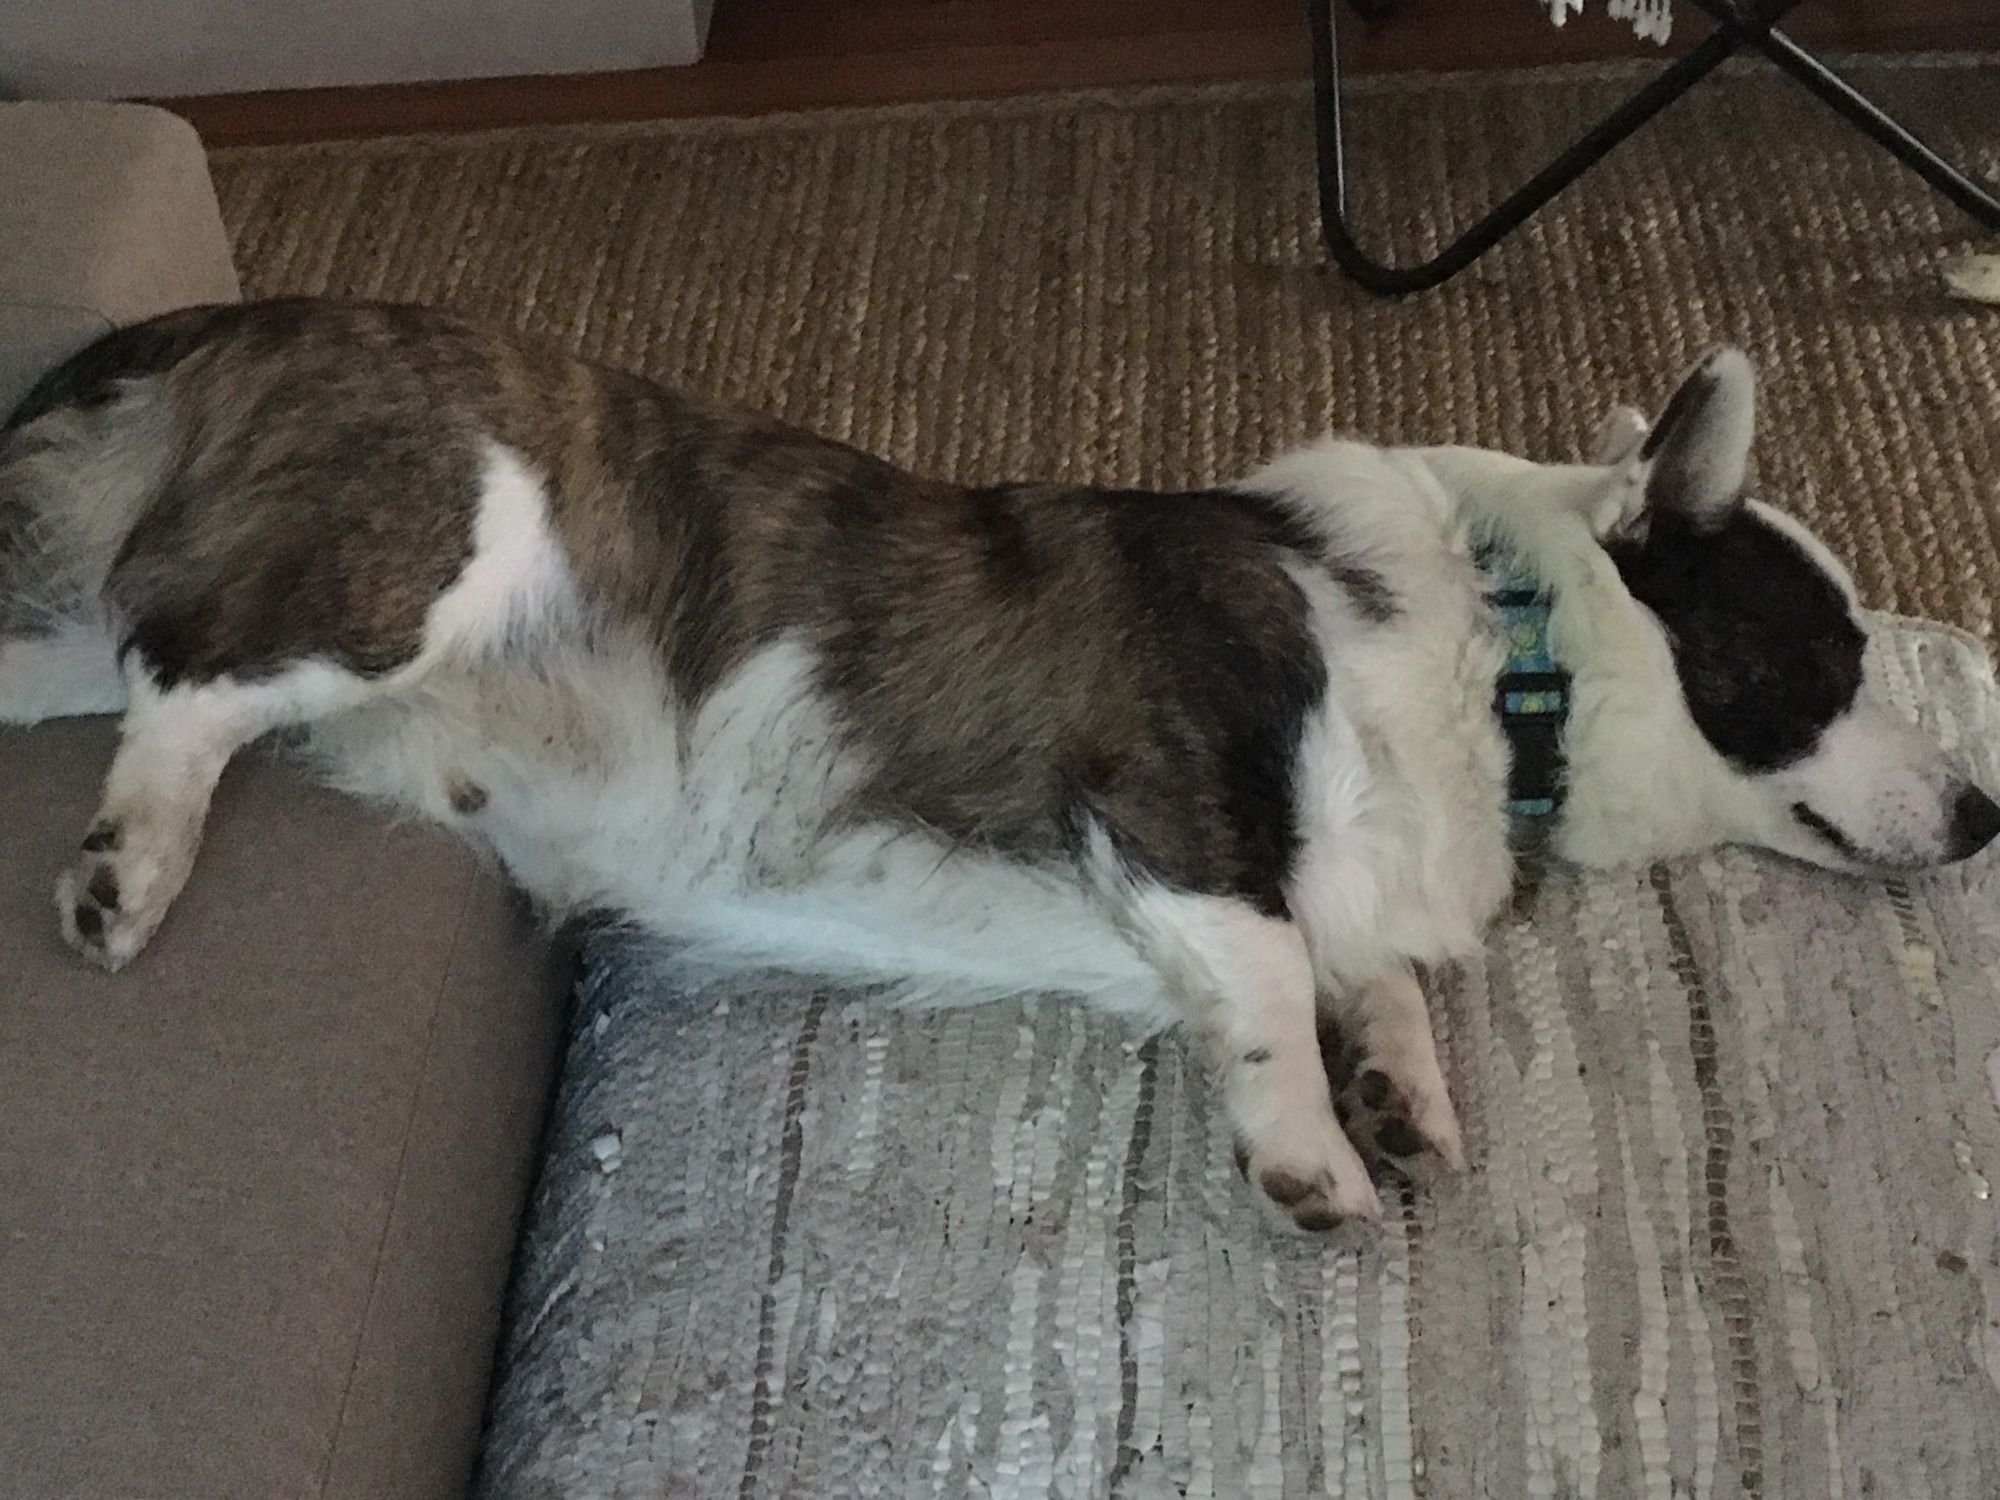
(1513, 211)
(1870, 119)
(1733, 31)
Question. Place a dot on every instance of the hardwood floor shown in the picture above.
(774, 55)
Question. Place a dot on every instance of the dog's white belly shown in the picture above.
(730, 833)
(724, 833)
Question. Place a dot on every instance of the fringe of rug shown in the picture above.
(1652, 20)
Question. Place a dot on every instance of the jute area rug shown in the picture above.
(1129, 288)
(1730, 1230)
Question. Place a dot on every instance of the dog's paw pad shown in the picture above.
(1315, 1199)
(99, 916)
(88, 920)
(1397, 1129)
(103, 888)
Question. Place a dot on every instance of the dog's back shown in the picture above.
(238, 492)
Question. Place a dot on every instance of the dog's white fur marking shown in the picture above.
(720, 833)
(174, 746)
(1618, 435)
(517, 582)
(1405, 851)
(177, 740)
(1880, 783)
(1246, 983)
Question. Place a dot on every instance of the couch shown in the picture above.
(97, 49)
(260, 1191)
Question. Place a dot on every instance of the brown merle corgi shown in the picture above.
(1229, 757)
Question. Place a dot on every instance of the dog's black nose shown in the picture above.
(1975, 819)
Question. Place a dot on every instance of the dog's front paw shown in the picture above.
(1399, 1116)
(111, 901)
(1316, 1181)
(1622, 429)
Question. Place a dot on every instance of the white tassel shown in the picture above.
(1976, 278)
(1652, 20)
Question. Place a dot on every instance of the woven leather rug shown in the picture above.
(1729, 1229)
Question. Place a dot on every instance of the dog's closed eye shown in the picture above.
(1835, 839)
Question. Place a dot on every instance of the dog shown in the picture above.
(1240, 757)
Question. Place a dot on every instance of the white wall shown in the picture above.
(95, 49)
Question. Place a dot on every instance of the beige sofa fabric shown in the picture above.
(106, 216)
(94, 49)
(259, 1191)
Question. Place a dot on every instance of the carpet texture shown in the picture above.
(1728, 1234)
(1130, 288)
(1729, 1230)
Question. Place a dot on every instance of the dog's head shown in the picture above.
(1733, 703)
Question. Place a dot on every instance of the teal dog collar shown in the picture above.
(1532, 695)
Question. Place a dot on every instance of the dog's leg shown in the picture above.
(1246, 984)
(139, 849)
(1395, 1104)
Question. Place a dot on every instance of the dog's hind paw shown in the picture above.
(1393, 1102)
(112, 900)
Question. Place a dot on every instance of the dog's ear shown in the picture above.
(1696, 459)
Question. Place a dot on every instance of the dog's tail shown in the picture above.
(82, 457)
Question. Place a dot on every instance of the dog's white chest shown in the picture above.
(1404, 777)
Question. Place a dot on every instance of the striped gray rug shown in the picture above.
(1730, 1229)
